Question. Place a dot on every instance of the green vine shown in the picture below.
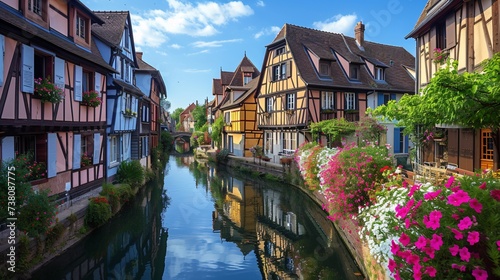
(335, 129)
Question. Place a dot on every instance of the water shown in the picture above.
(203, 223)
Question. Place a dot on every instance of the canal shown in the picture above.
(199, 222)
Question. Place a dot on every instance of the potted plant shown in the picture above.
(86, 160)
(129, 113)
(91, 99)
(47, 91)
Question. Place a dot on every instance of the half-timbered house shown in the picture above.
(466, 31)
(310, 76)
(186, 118)
(150, 82)
(239, 109)
(115, 41)
(48, 44)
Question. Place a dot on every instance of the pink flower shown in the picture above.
(454, 250)
(431, 271)
(465, 223)
(458, 234)
(404, 239)
(498, 245)
(429, 251)
(401, 212)
(436, 242)
(413, 189)
(480, 274)
(456, 199)
(483, 186)
(458, 267)
(450, 182)
(476, 205)
(464, 254)
(421, 242)
(395, 248)
(392, 265)
(432, 195)
(473, 237)
(432, 221)
(495, 194)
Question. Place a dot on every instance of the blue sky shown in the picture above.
(189, 41)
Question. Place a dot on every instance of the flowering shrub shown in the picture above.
(256, 151)
(440, 55)
(34, 170)
(91, 98)
(449, 232)
(351, 178)
(98, 212)
(36, 216)
(86, 160)
(48, 91)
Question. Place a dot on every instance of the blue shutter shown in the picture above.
(59, 73)
(28, 69)
(393, 96)
(8, 148)
(397, 133)
(77, 150)
(51, 155)
(78, 83)
(380, 99)
(97, 84)
(2, 51)
(406, 150)
(97, 148)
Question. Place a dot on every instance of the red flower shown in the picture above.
(495, 194)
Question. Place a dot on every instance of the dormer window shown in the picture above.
(127, 40)
(354, 71)
(379, 74)
(324, 69)
(279, 51)
(247, 77)
(81, 27)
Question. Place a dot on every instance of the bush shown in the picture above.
(131, 172)
(116, 194)
(221, 155)
(98, 212)
(16, 172)
(53, 234)
(35, 217)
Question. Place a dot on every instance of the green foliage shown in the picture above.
(197, 139)
(53, 234)
(217, 128)
(176, 114)
(335, 129)
(72, 218)
(199, 116)
(98, 212)
(116, 194)
(369, 131)
(131, 172)
(35, 217)
(221, 155)
(15, 172)
(166, 140)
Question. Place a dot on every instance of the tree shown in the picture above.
(176, 114)
(468, 99)
(217, 128)
(199, 116)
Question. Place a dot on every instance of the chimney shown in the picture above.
(138, 55)
(359, 32)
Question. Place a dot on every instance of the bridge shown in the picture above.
(183, 134)
(181, 141)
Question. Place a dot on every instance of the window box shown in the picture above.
(290, 112)
(129, 113)
(91, 99)
(328, 111)
(47, 91)
(86, 161)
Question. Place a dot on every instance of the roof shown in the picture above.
(111, 31)
(250, 89)
(13, 21)
(245, 66)
(217, 87)
(304, 42)
(432, 10)
(128, 87)
(155, 73)
(188, 109)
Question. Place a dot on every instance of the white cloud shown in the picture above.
(261, 3)
(214, 44)
(175, 46)
(197, 70)
(338, 24)
(273, 30)
(200, 52)
(162, 53)
(194, 19)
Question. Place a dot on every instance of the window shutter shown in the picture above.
(2, 51)
(393, 96)
(406, 149)
(51, 155)
(78, 83)
(77, 150)
(97, 86)
(289, 69)
(97, 148)
(380, 99)
(59, 73)
(450, 31)
(397, 132)
(28, 69)
(432, 42)
(8, 152)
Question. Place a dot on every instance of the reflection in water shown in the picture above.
(219, 226)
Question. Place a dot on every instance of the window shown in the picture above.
(145, 114)
(269, 104)
(35, 6)
(387, 98)
(290, 101)
(113, 154)
(127, 71)
(279, 51)
(87, 81)
(441, 35)
(324, 69)
(379, 73)
(350, 101)
(247, 77)
(35, 145)
(128, 101)
(269, 142)
(87, 145)
(144, 146)
(279, 72)
(81, 26)
(487, 149)
(289, 141)
(227, 117)
(327, 100)
(354, 71)
(43, 66)
(126, 38)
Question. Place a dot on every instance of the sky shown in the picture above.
(190, 41)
